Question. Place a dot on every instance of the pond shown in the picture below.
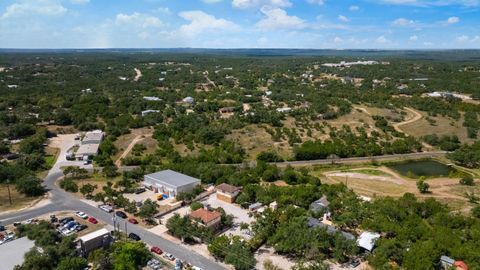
(427, 168)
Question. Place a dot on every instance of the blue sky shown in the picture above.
(322, 24)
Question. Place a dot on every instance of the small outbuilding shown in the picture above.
(95, 240)
(367, 240)
(170, 182)
(227, 193)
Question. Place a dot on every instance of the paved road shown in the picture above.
(63, 201)
(364, 159)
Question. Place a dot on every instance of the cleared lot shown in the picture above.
(240, 215)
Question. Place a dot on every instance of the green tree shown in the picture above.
(30, 186)
(129, 255)
(87, 190)
(69, 185)
(72, 263)
(467, 180)
(148, 209)
(100, 259)
(195, 206)
(422, 186)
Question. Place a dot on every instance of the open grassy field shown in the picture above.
(442, 126)
(381, 181)
(255, 139)
(18, 200)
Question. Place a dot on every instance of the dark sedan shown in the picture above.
(134, 237)
(121, 214)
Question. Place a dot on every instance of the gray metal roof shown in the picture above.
(367, 240)
(448, 260)
(320, 204)
(172, 178)
(315, 223)
(11, 253)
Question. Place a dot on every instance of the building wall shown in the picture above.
(214, 223)
(225, 197)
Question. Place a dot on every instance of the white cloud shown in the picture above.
(433, 3)
(464, 39)
(403, 22)
(243, 4)
(337, 40)
(316, 2)
(354, 8)
(428, 44)
(453, 20)
(277, 18)
(34, 7)
(382, 40)
(343, 18)
(138, 19)
(201, 21)
(79, 2)
(413, 38)
(163, 10)
(211, 1)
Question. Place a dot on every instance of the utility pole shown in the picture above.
(126, 233)
(9, 195)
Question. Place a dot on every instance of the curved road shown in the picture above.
(63, 201)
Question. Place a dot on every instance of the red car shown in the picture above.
(92, 220)
(156, 250)
(133, 221)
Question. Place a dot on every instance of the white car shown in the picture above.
(169, 256)
(196, 268)
(106, 208)
(81, 215)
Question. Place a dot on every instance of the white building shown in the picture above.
(89, 145)
(170, 182)
(149, 111)
(367, 240)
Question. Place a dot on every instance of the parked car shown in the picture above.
(81, 227)
(121, 214)
(64, 221)
(196, 268)
(16, 224)
(81, 215)
(133, 221)
(92, 220)
(105, 207)
(140, 190)
(134, 237)
(156, 250)
(2, 228)
(53, 219)
(169, 256)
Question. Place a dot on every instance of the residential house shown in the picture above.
(227, 193)
(315, 223)
(211, 219)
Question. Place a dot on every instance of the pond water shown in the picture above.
(427, 168)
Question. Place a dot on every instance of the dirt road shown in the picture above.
(139, 74)
(129, 148)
